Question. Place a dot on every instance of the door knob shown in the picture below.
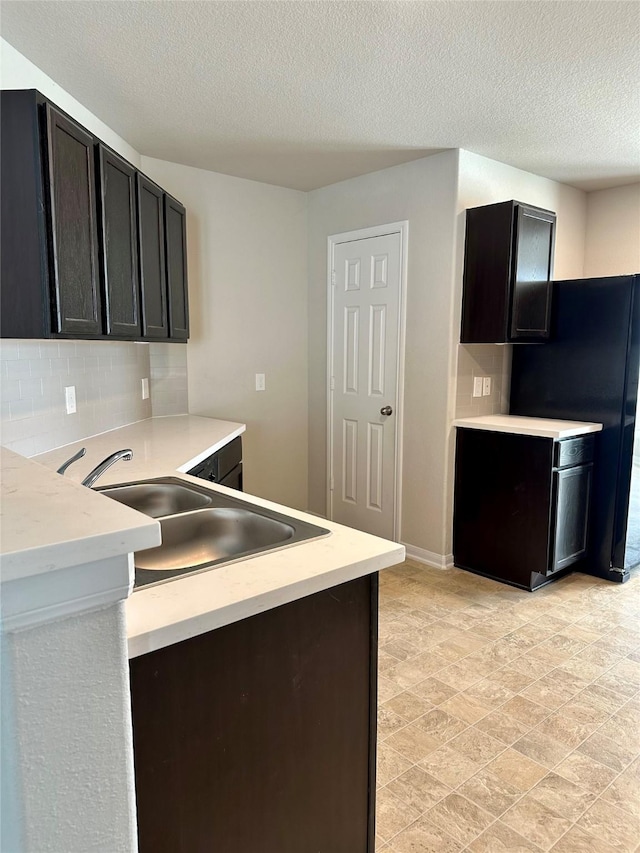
(386, 410)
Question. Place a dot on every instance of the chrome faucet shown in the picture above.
(70, 461)
(99, 470)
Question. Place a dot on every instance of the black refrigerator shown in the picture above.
(588, 371)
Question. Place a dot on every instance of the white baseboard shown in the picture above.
(429, 558)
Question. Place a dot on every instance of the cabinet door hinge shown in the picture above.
(333, 277)
(330, 484)
(332, 383)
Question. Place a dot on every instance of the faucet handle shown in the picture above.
(73, 459)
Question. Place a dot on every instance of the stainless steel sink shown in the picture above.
(203, 529)
(199, 538)
(158, 499)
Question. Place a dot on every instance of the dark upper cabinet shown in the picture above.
(175, 219)
(49, 283)
(24, 257)
(119, 243)
(151, 236)
(508, 267)
(74, 232)
(83, 235)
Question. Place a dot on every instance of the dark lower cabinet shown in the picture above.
(570, 511)
(224, 466)
(73, 222)
(521, 505)
(118, 227)
(260, 737)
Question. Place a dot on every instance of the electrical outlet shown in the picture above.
(70, 399)
(477, 386)
(260, 382)
(145, 388)
(486, 386)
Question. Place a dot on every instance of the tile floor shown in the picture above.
(508, 721)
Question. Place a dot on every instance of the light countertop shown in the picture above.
(160, 446)
(518, 425)
(170, 612)
(50, 523)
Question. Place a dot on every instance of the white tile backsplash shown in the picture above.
(169, 393)
(483, 360)
(33, 375)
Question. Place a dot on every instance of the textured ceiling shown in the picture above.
(303, 94)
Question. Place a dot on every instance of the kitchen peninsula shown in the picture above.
(253, 684)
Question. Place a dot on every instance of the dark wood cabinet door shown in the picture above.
(571, 498)
(119, 256)
(508, 265)
(516, 517)
(532, 273)
(74, 233)
(175, 217)
(153, 282)
(233, 480)
(260, 736)
(487, 273)
(502, 504)
(24, 255)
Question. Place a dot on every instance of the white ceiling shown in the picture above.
(303, 94)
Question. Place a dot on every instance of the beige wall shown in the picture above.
(248, 307)
(422, 192)
(613, 231)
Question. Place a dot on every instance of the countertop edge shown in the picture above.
(158, 638)
(200, 457)
(580, 428)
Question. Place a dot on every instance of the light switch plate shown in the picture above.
(486, 386)
(260, 382)
(477, 386)
(145, 388)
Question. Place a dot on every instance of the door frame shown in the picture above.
(401, 228)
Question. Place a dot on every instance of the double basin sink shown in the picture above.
(202, 529)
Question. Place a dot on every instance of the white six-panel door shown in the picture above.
(363, 382)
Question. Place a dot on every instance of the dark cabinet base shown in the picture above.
(534, 581)
(521, 505)
(224, 466)
(259, 737)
